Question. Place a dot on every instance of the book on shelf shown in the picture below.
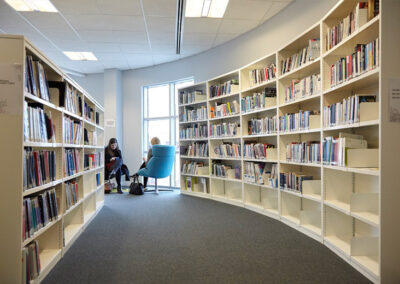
(71, 162)
(253, 172)
(38, 124)
(258, 150)
(226, 88)
(224, 109)
(195, 131)
(258, 101)
(258, 126)
(334, 149)
(191, 167)
(191, 97)
(89, 137)
(259, 76)
(72, 131)
(88, 111)
(94, 160)
(35, 79)
(198, 149)
(304, 152)
(227, 150)
(38, 211)
(39, 167)
(31, 266)
(225, 129)
(225, 171)
(293, 181)
(303, 120)
(303, 88)
(348, 111)
(303, 56)
(364, 58)
(71, 193)
(193, 114)
(73, 101)
(99, 178)
(97, 116)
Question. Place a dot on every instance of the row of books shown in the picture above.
(196, 184)
(198, 149)
(226, 88)
(303, 88)
(345, 112)
(266, 125)
(36, 79)
(30, 262)
(222, 110)
(71, 193)
(225, 129)
(264, 99)
(73, 101)
(259, 76)
(191, 167)
(227, 150)
(39, 167)
(360, 15)
(38, 211)
(307, 54)
(38, 125)
(261, 173)
(293, 181)
(89, 137)
(296, 121)
(191, 97)
(71, 162)
(364, 58)
(304, 152)
(89, 112)
(196, 131)
(91, 161)
(257, 150)
(99, 178)
(225, 171)
(190, 114)
(72, 131)
(334, 149)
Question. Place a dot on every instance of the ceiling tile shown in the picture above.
(237, 26)
(103, 47)
(107, 22)
(190, 49)
(163, 49)
(135, 48)
(201, 25)
(120, 7)
(161, 24)
(45, 20)
(109, 56)
(249, 9)
(70, 45)
(139, 60)
(113, 36)
(162, 38)
(276, 7)
(70, 6)
(198, 38)
(162, 58)
(163, 8)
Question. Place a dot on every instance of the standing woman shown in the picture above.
(114, 163)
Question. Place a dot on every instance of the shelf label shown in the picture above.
(11, 89)
(394, 100)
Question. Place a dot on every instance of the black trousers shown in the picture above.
(145, 179)
(120, 169)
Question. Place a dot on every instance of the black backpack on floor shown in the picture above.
(136, 187)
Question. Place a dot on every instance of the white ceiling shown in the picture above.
(129, 34)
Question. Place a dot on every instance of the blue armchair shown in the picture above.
(160, 165)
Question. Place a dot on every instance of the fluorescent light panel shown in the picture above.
(205, 8)
(82, 56)
(32, 5)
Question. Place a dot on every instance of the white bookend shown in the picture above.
(230, 173)
(369, 111)
(202, 170)
(315, 121)
(312, 187)
(363, 158)
(271, 154)
(270, 102)
(234, 89)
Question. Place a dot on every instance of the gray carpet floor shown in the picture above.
(172, 238)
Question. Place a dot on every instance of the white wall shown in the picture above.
(93, 84)
(263, 40)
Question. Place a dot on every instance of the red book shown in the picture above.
(36, 161)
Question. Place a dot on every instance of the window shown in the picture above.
(160, 118)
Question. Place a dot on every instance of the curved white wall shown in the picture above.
(261, 41)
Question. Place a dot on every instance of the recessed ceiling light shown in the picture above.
(206, 8)
(32, 5)
(83, 56)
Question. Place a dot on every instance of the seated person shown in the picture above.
(114, 163)
(154, 141)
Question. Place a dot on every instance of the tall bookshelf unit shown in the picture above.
(55, 238)
(351, 210)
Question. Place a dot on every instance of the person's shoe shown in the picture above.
(119, 190)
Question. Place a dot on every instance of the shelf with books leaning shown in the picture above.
(300, 164)
(258, 74)
(193, 157)
(193, 103)
(192, 121)
(265, 84)
(301, 100)
(234, 115)
(353, 125)
(274, 134)
(258, 110)
(225, 158)
(221, 97)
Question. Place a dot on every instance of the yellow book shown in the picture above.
(229, 107)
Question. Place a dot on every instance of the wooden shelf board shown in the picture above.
(42, 144)
(366, 171)
(338, 205)
(226, 158)
(66, 112)
(254, 207)
(92, 147)
(88, 216)
(258, 110)
(260, 86)
(194, 139)
(225, 137)
(308, 98)
(43, 102)
(192, 175)
(85, 121)
(73, 207)
(300, 132)
(70, 232)
(227, 200)
(194, 103)
(225, 117)
(353, 125)
(67, 178)
(301, 164)
(66, 145)
(369, 263)
(40, 232)
(99, 205)
(259, 135)
(259, 160)
(295, 193)
(303, 68)
(225, 179)
(291, 219)
(367, 217)
(223, 97)
(194, 157)
(339, 244)
(193, 121)
(49, 256)
(312, 228)
(40, 188)
(312, 196)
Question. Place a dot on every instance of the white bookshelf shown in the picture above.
(353, 211)
(57, 236)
